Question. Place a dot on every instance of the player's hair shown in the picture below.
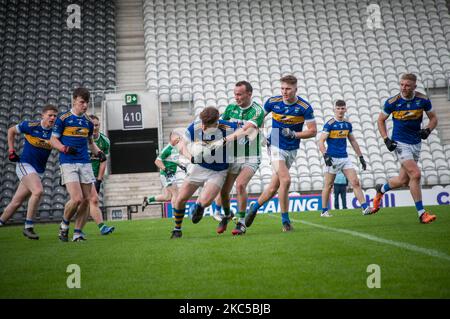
(248, 86)
(339, 103)
(94, 117)
(409, 76)
(289, 79)
(81, 92)
(172, 133)
(209, 115)
(49, 107)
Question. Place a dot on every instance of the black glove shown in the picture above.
(363, 162)
(98, 183)
(390, 144)
(13, 157)
(425, 133)
(169, 173)
(183, 168)
(101, 156)
(69, 150)
(328, 160)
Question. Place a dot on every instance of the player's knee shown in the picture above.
(415, 175)
(355, 183)
(37, 192)
(76, 200)
(285, 182)
(241, 187)
(94, 201)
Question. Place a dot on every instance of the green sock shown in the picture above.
(100, 225)
(226, 211)
(151, 199)
(241, 216)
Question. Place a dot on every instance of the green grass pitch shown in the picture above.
(321, 258)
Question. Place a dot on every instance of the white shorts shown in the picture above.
(236, 168)
(199, 176)
(406, 152)
(166, 181)
(339, 164)
(77, 172)
(24, 169)
(276, 154)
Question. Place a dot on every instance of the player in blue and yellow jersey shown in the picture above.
(72, 135)
(208, 152)
(289, 113)
(30, 165)
(335, 133)
(407, 110)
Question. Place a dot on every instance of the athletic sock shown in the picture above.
(1, 223)
(28, 223)
(385, 188)
(256, 205)
(419, 207)
(216, 208)
(179, 215)
(324, 210)
(364, 206)
(151, 199)
(285, 218)
(77, 231)
(226, 211)
(241, 216)
(65, 223)
(100, 225)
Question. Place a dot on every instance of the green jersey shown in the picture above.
(103, 144)
(169, 156)
(253, 114)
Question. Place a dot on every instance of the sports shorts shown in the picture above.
(339, 164)
(199, 176)
(77, 172)
(276, 154)
(24, 169)
(406, 152)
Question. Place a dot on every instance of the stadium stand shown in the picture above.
(334, 54)
(42, 60)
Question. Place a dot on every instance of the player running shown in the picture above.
(247, 154)
(72, 136)
(210, 166)
(407, 110)
(167, 162)
(289, 113)
(335, 132)
(30, 165)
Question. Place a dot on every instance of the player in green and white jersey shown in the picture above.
(247, 154)
(99, 169)
(167, 162)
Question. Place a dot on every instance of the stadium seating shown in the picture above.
(42, 61)
(334, 55)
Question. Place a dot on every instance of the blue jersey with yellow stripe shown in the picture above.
(338, 132)
(407, 116)
(74, 131)
(217, 160)
(37, 147)
(290, 116)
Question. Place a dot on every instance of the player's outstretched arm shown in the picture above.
(183, 149)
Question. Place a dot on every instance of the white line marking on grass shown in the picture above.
(411, 247)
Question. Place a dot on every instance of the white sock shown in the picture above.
(420, 212)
